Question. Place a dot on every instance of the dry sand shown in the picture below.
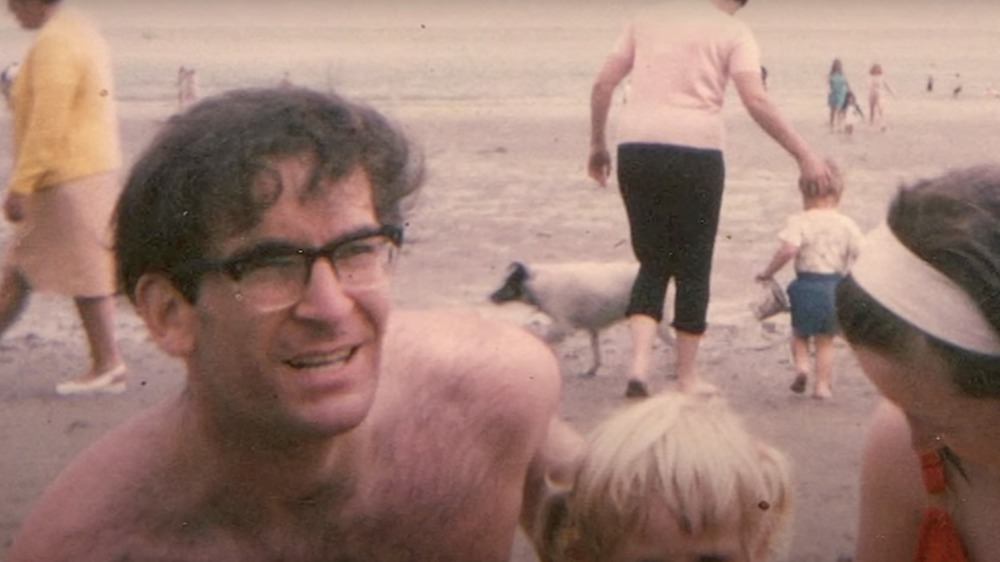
(507, 182)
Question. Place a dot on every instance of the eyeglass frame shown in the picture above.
(186, 274)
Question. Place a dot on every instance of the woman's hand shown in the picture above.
(814, 175)
(14, 206)
(599, 165)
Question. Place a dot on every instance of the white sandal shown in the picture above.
(111, 381)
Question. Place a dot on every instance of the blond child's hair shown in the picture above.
(690, 452)
(834, 190)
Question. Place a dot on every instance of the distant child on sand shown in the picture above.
(187, 87)
(676, 477)
(850, 113)
(876, 86)
(824, 243)
(838, 91)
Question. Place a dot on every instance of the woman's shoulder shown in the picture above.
(892, 491)
(889, 461)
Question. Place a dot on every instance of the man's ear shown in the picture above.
(169, 316)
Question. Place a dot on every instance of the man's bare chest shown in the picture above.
(412, 501)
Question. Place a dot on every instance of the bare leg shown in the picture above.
(800, 353)
(800, 357)
(98, 316)
(824, 366)
(14, 292)
(687, 356)
(643, 329)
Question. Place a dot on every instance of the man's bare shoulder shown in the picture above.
(467, 343)
(461, 349)
(96, 500)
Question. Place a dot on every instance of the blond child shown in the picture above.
(676, 477)
(824, 243)
(877, 87)
(850, 113)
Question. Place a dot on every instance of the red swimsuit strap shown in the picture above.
(938, 540)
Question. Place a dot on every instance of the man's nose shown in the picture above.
(323, 293)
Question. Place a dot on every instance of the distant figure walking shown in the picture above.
(680, 57)
(957, 89)
(876, 86)
(930, 83)
(838, 92)
(64, 183)
(7, 78)
(187, 87)
(851, 114)
(824, 243)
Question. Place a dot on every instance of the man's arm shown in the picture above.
(556, 448)
(550, 477)
(813, 171)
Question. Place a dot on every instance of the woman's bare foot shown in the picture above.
(822, 392)
(695, 385)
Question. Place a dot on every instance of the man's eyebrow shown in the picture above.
(277, 245)
(266, 246)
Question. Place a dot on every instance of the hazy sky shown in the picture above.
(853, 13)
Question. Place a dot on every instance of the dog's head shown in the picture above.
(514, 288)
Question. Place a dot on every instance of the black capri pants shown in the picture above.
(672, 195)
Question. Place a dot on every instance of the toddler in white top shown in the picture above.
(824, 243)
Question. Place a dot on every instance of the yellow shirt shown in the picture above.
(63, 105)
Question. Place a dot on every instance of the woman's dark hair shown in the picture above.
(953, 223)
(200, 179)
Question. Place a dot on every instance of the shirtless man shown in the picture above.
(255, 238)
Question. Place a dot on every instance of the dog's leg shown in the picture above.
(557, 332)
(595, 347)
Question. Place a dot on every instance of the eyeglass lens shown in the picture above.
(275, 282)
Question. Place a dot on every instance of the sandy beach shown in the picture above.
(501, 112)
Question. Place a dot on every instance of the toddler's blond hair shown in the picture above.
(690, 452)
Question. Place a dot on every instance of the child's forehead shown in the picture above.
(666, 536)
(703, 525)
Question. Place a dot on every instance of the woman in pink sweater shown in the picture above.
(680, 57)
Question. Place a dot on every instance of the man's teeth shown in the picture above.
(325, 360)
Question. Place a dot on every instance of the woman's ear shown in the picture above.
(168, 315)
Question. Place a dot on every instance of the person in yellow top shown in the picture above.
(64, 183)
